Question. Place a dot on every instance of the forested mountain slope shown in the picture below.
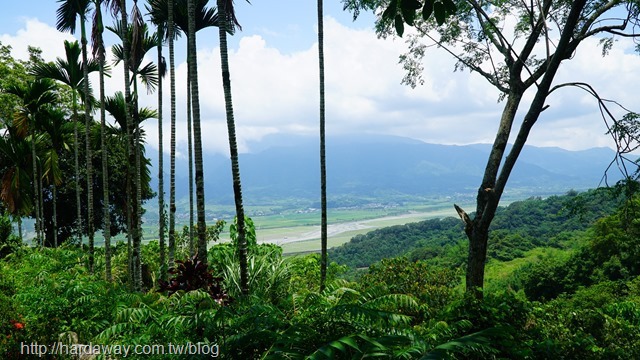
(516, 228)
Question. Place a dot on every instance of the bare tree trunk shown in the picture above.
(137, 244)
(106, 232)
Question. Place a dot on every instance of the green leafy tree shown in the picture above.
(9, 242)
(116, 106)
(397, 13)
(482, 38)
(12, 73)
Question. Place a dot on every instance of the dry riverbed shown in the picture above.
(306, 238)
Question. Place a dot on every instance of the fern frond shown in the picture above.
(475, 342)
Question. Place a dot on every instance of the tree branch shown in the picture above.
(465, 218)
(596, 14)
(536, 106)
(493, 79)
(623, 135)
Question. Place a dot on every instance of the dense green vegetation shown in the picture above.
(517, 228)
(580, 300)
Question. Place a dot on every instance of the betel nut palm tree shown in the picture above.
(119, 7)
(99, 53)
(27, 120)
(69, 71)
(154, 7)
(323, 162)
(204, 17)
(228, 22)
(67, 13)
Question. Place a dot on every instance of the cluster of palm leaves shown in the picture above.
(33, 120)
(36, 118)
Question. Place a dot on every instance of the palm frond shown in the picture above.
(478, 342)
(97, 29)
(149, 76)
(68, 12)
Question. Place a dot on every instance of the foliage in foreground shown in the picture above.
(399, 309)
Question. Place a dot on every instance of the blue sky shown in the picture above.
(274, 79)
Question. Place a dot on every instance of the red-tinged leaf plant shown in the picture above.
(193, 274)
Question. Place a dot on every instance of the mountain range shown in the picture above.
(384, 167)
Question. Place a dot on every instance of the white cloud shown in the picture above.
(277, 92)
(36, 34)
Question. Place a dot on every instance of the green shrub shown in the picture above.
(9, 242)
(434, 286)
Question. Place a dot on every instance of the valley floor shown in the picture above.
(297, 239)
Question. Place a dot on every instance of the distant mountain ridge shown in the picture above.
(376, 166)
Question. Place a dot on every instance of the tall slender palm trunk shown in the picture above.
(20, 227)
(41, 207)
(55, 214)
(135, 261)
(162, 220)
(323, 161)
(137, 243)
(129, 220)
(106, 232)
(190, 145)
(36, 190)
(233, 146)
(172, 176)
(87, 132)
(195, 99)
(76, 147)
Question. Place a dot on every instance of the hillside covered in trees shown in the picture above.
(517, 228)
